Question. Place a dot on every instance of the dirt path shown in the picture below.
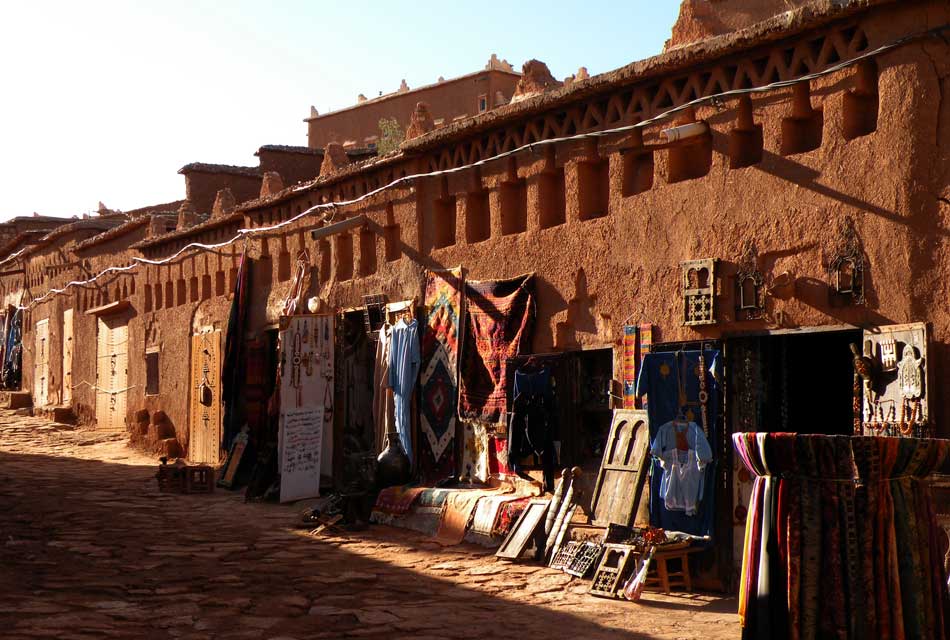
(90, 549)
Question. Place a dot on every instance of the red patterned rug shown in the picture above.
(499, 321)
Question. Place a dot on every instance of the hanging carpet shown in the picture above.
(438, 382)
(499, 321)
(235, 355)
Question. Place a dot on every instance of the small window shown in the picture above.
(151, 373)
(482, 103)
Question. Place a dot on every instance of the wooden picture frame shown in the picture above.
(524, 530)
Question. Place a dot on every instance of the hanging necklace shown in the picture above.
(703, 396)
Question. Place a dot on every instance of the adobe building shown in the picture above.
(784, 196)
(449, 100)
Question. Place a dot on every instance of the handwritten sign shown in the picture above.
(307, 346)
(301, 443)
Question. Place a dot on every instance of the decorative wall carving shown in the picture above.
(699, 292)
(750, 286)
(846, 269)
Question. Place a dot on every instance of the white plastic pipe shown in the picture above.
(684, 131)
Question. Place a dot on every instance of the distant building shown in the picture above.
(448, 100)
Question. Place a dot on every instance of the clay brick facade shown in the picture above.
(448, 100)
(203, 181)
(604, 223)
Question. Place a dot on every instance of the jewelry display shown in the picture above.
(703, 396)
(894, 393)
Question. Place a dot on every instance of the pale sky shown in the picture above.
(107, 100)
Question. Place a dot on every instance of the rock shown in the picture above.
(421, 122)
(371, 616)
(701, 19)
(224, 203)
(170, 448)
(334, 158)
(535, 79)
(271, 184)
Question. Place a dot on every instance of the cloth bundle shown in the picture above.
(841, 539)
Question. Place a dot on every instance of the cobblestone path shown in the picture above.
(90, 549)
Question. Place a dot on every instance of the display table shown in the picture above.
(841, 539)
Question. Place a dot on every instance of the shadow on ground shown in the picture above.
(91, 550)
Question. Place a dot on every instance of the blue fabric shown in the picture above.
(12, 362)
(404, 362)
(681, 486)
(659, 381)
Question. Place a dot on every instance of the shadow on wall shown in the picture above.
(787, 169)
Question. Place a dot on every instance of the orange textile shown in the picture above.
(458, 510)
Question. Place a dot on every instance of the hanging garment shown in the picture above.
(383, 409)
(533, 427)
(684, 452)
(669, 385)
(404, 359)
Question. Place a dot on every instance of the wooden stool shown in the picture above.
(199, 479)
(662, 577)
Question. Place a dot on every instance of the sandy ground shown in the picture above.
(90, 549)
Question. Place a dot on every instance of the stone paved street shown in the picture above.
(90, 549)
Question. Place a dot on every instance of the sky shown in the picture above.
(105, 101)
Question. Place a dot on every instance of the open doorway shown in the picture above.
(354, 396)
(799, 382)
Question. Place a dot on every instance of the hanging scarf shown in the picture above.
(12, 357)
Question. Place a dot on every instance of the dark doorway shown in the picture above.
(801, 383)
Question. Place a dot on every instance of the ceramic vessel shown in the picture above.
(392, 465)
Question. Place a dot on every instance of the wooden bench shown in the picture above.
(663, 578)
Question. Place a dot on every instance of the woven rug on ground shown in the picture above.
(508, 515)
(397, 500)
(499, 321)
(487, 511)
(438, 381)
(458, 511)
(431, 500)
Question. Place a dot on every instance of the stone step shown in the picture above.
(16, 400)
(62, 415)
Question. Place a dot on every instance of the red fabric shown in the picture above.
(397, 500)
(498, 457)
(499, 321)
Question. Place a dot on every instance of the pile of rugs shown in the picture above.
(479, 514)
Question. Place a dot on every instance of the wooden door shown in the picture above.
(112, 372)
(204, 442)
(624, 469)
(41, 365)
(67, 377)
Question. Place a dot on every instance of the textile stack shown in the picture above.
(840, 538)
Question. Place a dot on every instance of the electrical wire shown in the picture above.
(332, 207)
